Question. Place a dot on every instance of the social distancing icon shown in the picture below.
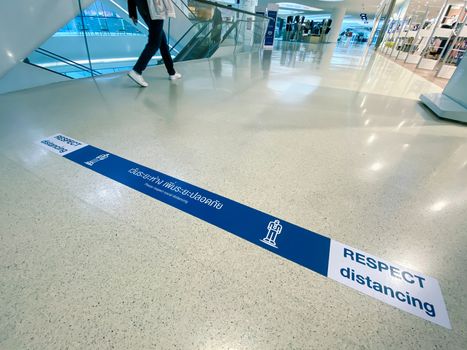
(273, 230)
(393, 284)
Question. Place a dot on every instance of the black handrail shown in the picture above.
(227, 33)
(77, 65)
(66, 60)
(59, 58)
(27, 61)
(230, 30)
(212, 49)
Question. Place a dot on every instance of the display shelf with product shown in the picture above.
(419, 41)
(408, 43)
(400, 36)
(391, 36)
(456, 48)
(441, 37)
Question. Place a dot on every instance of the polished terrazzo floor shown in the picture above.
(331, 139)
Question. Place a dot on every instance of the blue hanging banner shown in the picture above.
(401, 287)
(272, 14)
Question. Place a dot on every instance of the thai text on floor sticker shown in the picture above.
(393, 284)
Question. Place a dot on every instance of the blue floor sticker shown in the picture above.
(393, 284)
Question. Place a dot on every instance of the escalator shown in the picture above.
(197, 46)
(230, 30)
(102, 39)
(203, 45)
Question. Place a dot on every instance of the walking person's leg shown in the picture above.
(154, 41)
(167, 58)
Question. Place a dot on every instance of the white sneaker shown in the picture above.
(138, 78)
(175, 76)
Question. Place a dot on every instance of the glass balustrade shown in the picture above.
(102, 39)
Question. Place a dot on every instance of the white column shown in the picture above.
(337, 18)
(248, 5)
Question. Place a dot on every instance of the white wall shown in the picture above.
(26, 24)
(25, 76)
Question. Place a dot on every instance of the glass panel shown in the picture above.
(226, 29)
(119, 48)
(114, 42)
(104, 40)
(65, 52)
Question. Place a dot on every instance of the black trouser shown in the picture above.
(156, 40)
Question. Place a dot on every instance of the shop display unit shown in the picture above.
(456, 50)
(446, 31)
(429, 41)
(390, 36)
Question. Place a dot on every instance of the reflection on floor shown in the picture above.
(427, 74)
(332, 139)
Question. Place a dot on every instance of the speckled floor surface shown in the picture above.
(333, 140)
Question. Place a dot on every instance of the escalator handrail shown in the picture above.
(45, 68)
(76, 65)
(230, 30)
(190, 45)
(208, 21)
(209, 33)
(58, 57)
(186, 33)
(66, 61)
(227, 33)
